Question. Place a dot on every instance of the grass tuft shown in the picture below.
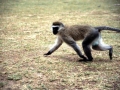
(15, 77)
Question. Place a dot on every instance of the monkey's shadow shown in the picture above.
(75, 58)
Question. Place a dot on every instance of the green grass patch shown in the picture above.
(15, 77)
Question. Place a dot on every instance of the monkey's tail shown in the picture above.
(100, 28)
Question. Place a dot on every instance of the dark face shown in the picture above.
(55, 30)
(56, 26)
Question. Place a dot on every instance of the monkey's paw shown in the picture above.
(85, 60)
(48, 53)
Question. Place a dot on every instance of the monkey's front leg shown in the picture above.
(57, 44)
(77, 49)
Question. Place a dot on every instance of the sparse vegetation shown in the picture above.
(25, 36)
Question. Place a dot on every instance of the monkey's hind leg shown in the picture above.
(101, 46)
(87, 51)
(87, 42)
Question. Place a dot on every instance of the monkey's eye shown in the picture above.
(55, 30)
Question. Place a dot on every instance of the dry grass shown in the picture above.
(26, 36)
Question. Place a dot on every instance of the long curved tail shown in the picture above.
(100, 28)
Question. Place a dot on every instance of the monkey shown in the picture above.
(90, 35)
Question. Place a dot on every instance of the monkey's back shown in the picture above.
(78, 32)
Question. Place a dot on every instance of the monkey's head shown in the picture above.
(56, 27)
